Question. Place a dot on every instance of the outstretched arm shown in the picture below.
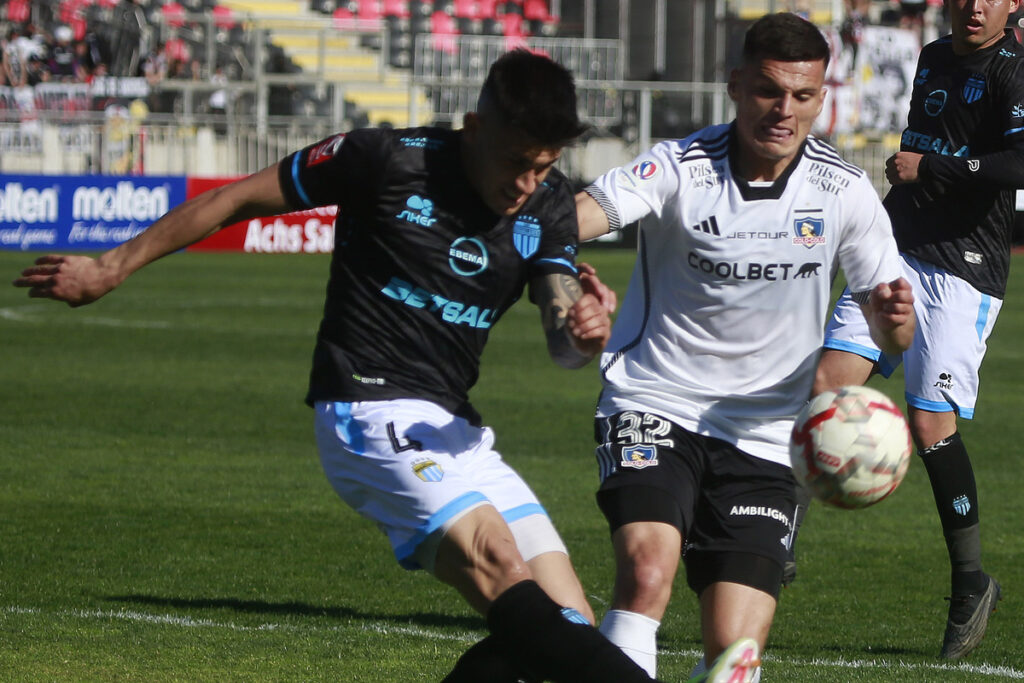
(890, 314)
(80, 280)
(593, 221)
(574, 313)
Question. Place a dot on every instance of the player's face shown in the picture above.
(503, 165)
(776, 103)
(976, 24)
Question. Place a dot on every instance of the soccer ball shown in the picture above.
(851, 447)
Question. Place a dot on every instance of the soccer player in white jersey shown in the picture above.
(714, 351)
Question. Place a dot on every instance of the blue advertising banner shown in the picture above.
(81, 213)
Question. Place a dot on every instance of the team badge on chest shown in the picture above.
(526, 235)
(809, 231)
(974, 88)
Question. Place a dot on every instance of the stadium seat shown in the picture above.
(173, 14)
(466, 9)
(512, 29)
(18, 11)
(536, 10)
(396, 8)
(444, 30)
(223, 17)
(370, 10)
(343, 19)
(487, 9)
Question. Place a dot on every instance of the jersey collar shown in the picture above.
(751, 193)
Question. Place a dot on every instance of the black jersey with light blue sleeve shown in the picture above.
(967, 119)
(422, 268)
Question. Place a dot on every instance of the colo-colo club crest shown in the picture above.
(809, 231)
(639, 456)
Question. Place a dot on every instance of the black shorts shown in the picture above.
(736, 512)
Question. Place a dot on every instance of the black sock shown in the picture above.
(537, 632)
(489, 660)
(956, 498)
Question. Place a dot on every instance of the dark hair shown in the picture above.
(786, 37)
(533, 94)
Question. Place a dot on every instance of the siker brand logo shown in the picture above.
(419, 211)
(123, 202)
(20, 205)
(945, 381)
(422, 142)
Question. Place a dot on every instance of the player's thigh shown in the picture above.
(649, 468)
(395, 463)
(745, 522)
(954, 322)
(847, 330)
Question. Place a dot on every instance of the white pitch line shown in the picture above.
(387, 628)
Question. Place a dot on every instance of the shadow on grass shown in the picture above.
(301, 609)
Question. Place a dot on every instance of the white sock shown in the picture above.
(635, 634)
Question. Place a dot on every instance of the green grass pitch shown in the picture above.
(163, 515)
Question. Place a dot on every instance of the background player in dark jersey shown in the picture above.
(961, 159)
(438, 234)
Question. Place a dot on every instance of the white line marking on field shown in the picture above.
(36, 314)
(387, 628)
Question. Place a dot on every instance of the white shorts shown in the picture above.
(415, 469)
(954, 321)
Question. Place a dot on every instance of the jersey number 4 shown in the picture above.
(396, 441)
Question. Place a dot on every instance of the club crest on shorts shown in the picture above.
(526, 235)
(639, 456)
(428, 470)
(809, 231)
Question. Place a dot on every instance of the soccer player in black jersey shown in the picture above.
(954, 180)
(438, 233)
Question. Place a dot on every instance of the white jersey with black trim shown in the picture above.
(722, 325)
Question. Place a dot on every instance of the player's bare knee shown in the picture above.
(644, 585)
(929, 428)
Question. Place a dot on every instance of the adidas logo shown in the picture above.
(709, 226)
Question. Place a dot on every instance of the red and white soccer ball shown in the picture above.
(850, 448)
